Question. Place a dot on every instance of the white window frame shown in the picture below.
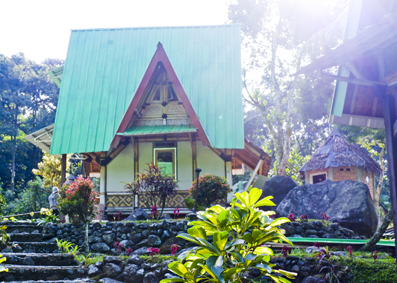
(166, 149)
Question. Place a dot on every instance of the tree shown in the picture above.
(157, 185)
(50, 169)
(27, 103)
(275, 32)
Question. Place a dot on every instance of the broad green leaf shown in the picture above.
(279, 221)
(188, 238)
(265, 202)
(264, 267)
(243, 198)
(231, 272)
(170, 280)
(178, 268)
(214, 267)
(223, 215)
(290, 275)
(248, 238)
(250, 257)
(254, 195)
(279, 279)
(263, 250)
(234, 243)
(184, 254)
(197, 232)
(220, 239)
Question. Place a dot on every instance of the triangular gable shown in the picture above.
(160, 56)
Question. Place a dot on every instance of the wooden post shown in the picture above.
(63, 169)
(102, 184)
(194, 155)
(253, 174)
(389, 115)
(229, 174)
(136, 170)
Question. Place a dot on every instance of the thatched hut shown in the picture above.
(337, 160)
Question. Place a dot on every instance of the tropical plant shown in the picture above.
(2, 268)
(212, 188)
(78, 200)
(238, 233)
(190, 204)
(67, 247)
(157, 185)
(48, 217)
(50, 169)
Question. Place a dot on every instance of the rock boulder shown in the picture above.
(348, 202)
(278, 187)
(138, 214)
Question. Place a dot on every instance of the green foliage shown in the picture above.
(67, 247)
(212, 188)
(28, 99)
(158, 185)
(367, 270)
(238, 233)
(89, 259)
(78, 200)
(49, 217)
(2, 268)
(190, 204)
(50, 169)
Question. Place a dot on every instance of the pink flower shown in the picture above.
(174, 248)
(176, 211)
(349, 249)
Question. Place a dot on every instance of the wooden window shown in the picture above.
(340, 169)
(318, 177)
(165, 159)
(347, 169)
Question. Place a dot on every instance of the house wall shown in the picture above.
(371, 182)
(345, 175)
(184, 165)
(209, 162)
(121, 169)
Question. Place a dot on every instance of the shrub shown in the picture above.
(238, 233)
(212, 188)
(156, 184)
(78, 200)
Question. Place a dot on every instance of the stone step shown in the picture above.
(40, 259)
(26, 237)
(21, 227)
(35, 272)
(32, 247)
(56, 281)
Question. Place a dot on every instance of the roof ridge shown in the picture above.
(158, 27)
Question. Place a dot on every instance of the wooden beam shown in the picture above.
(259, 165)
(389, 114)
(194, 155)
(63, 170)
(354, 70)
(353, 81)
(136, 157)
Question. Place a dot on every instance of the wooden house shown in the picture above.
(168, 95)
(337, 160)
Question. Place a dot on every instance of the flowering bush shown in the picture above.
(212, 188)
(174, 248)
(157, 185)
(291, 217)
(153, 251)
(119, 248)
(78, 200)
(304, 218)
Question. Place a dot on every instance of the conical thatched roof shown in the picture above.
(337, 152)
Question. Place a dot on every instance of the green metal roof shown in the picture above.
(165, 129)
(104, 67)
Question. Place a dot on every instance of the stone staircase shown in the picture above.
(36, 260)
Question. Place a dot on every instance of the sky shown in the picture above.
(41, 28)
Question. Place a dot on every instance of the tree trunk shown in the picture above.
(14, 145)
(370, 245)
(162, 208)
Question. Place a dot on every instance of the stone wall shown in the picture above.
(136, 270)
(317, 229)
(131, 235)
